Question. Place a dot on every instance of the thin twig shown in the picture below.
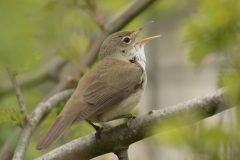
(142, 127)
(33, 120)
(18, 92)
(5, 152)
(49, 73)
(96, 13)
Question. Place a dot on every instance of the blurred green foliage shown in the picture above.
(79, 130)
(209, 143)
(18, 48)
(215, 29)
(78, 46)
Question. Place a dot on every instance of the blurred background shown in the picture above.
(197, 53)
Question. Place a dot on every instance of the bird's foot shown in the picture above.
(98, 134)
(98, 130)
(130, 119)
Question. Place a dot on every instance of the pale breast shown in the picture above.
(125, 106)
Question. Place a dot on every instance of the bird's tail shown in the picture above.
(54, 132)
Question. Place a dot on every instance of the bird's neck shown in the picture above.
(139, 53)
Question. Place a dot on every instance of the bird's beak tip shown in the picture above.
(145, 25)
(136, 32)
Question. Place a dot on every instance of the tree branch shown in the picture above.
(51, 72)
(142, 127)
(114, 25)
(18, 92)
(33, 119)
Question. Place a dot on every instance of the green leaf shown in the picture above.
(231, 79)
(213, 31)
(12, 116)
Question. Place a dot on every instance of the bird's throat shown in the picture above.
(138, 52)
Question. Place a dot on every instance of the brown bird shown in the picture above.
(110, 90)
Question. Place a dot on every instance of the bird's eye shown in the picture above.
(126, 40)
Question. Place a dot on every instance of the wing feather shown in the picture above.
(53, 133)
(110, 86)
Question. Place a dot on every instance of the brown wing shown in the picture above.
(114, 82)
(111, 82)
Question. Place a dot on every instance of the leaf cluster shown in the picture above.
(11, 115)
(215, 30)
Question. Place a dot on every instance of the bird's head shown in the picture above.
(123, 45)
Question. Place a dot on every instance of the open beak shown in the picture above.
(145, 39)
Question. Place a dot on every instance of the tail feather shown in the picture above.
(54, 132)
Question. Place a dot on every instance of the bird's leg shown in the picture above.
(97, 128)
(128, 116)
